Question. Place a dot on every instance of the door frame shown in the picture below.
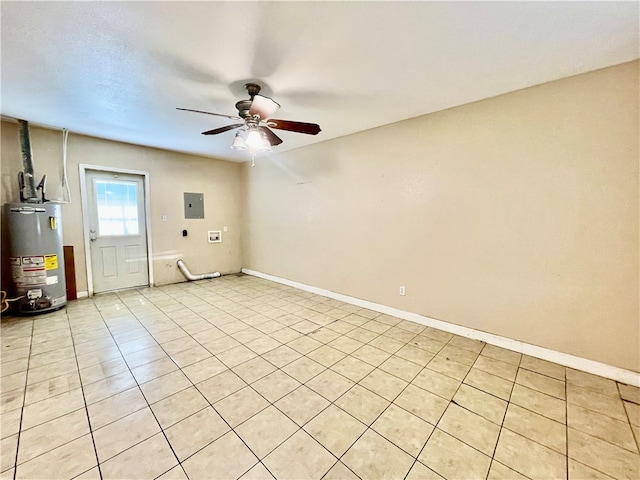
(85, 216)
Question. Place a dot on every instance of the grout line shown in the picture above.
(415, 458)
(504, 417)
(84, 399)
(24, 397)
(143, 395)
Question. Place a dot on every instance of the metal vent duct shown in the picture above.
(27, 179)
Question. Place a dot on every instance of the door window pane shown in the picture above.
(117, 203)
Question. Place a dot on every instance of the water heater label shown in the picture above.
(27, 271)
(39, 261)
(50, 262)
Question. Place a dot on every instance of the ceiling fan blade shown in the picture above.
(232, 117)
(273, 138)
(215, 131)
(300, 127)
(263, 106)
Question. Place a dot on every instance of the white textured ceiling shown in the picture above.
(118, 70)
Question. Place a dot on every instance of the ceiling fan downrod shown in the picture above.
(253, 89)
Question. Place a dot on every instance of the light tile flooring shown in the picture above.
(239, 377)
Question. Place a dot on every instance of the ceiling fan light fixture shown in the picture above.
(239, 143)
(257, 141)
(254, 140)
(265, 145)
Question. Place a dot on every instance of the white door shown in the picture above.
(117, 230)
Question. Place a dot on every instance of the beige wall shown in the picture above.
(517, 215)
(170, 175)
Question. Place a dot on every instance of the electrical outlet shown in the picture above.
(402, 290)
(164, 218)
(225, 229)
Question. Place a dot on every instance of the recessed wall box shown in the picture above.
(193, 205)
(215, 236)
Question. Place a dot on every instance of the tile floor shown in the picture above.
(239, 377)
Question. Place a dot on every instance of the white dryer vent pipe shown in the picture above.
(190, 276)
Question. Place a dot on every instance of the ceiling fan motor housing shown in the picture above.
(243, 107)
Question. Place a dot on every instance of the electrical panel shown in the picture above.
(193, 205)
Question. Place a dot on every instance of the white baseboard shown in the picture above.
(590, 366)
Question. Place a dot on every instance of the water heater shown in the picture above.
(36, 256)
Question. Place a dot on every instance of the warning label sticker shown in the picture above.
(32, 270)
(23, 276)
(50, 262)
(38, 260)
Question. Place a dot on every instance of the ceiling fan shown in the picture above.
(255, 132)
